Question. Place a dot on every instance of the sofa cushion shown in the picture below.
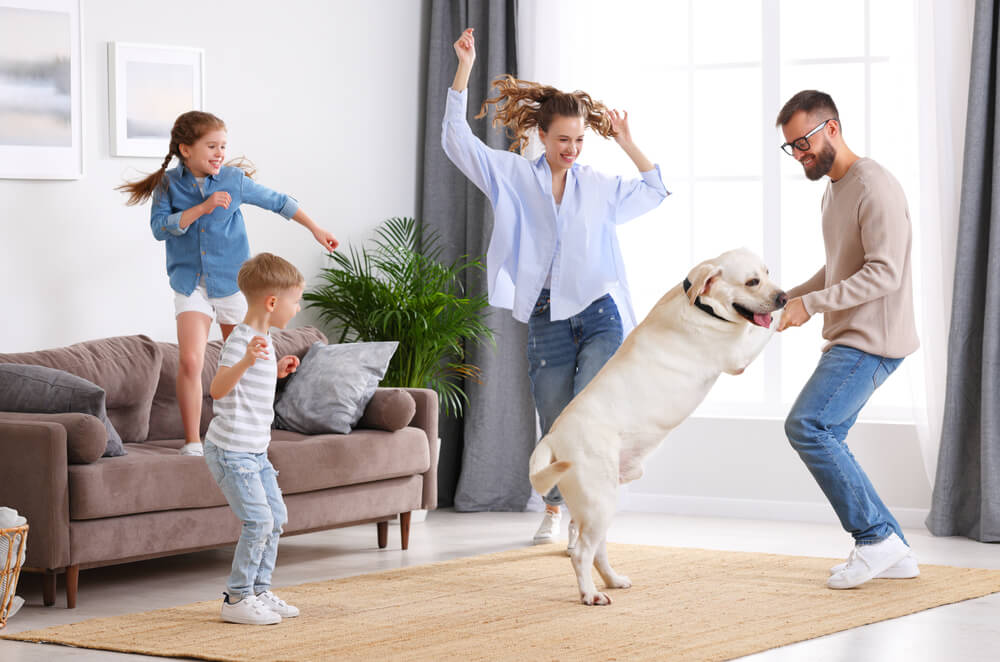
(150, 478)
(389, 409)
(330, 390)
(126, 367)
(86, 436)
(40, 390)
(307, 463)
(154, 477)
(165, 416)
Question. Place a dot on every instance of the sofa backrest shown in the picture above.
(126, 367)
(165, 416)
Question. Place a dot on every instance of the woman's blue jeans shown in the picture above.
(563, 356)
(250, 485)
(817, 428)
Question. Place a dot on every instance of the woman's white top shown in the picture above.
(573, 245)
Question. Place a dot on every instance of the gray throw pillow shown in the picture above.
(331, 388)
(40, 390)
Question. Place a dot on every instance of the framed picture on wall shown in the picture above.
(149, 87)
(41, 89)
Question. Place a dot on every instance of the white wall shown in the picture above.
(737, 467)
(322, 96)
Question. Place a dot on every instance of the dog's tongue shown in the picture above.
(762, 319)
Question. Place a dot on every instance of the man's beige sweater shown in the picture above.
(865, 289)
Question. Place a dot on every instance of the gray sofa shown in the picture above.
(86, 511)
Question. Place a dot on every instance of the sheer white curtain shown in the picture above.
(944, 35)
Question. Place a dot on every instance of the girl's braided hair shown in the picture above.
(188, 128)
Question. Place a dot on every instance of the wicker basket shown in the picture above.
(13, 543)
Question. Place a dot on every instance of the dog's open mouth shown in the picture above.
(760, 319)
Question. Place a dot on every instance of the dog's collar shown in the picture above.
(701, 305)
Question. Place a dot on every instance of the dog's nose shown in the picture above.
(781, 299)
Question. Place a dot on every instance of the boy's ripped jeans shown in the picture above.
(250, 485)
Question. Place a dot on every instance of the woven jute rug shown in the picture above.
(685, 604)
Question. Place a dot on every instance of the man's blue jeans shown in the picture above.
(250, 485)
(817, 428)
(563, 356)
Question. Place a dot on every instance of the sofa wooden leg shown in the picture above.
(49, 587)
(404, 529)
(72, 582)
(383, 534)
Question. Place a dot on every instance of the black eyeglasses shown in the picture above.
(802, 144)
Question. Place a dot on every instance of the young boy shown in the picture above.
(238, 436)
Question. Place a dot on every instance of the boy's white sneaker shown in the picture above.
(249, 611)
(548, 530)
(277, 605)
(193, 449)
(868, 561)
(904, 569)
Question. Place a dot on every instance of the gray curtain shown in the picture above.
(484, 456)
(966, 497)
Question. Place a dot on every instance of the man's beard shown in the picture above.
(824, 161)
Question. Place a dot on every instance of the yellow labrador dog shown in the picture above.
(717, 321)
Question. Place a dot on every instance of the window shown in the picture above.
(703, 82)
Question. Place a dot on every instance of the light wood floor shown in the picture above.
(968, 631)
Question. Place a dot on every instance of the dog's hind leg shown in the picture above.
(593, 530)
(611, 578)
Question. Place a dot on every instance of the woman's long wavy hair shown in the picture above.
(522, 105)
(188, 129)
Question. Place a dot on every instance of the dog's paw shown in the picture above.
(621, 581)
(595, 599)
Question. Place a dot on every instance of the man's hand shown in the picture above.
(287, 365)
(794, 314)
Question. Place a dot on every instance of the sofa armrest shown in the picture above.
(35, 482)
(86, 435)
(426, 418)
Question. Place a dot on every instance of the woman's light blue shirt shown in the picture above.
(528, 225)
(215, 245)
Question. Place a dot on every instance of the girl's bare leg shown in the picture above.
(192, 336)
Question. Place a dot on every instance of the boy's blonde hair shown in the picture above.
(266, 273)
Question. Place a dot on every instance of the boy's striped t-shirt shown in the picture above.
(243, 416)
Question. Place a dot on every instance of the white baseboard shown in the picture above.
(788, 511)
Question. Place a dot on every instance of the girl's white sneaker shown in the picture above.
(249, 611)
(277, 605)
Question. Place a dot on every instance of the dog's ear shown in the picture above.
(701, 278)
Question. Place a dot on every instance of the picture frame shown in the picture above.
(149, 86)
(41, 89)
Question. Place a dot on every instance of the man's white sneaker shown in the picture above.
(277, 605)
(548, 530)
(249, 611)
(904, 569)
(192, 449)
(867, 561)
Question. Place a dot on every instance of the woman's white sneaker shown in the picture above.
(905, 569)
(277, 605)
(548, 530)
(249, 611)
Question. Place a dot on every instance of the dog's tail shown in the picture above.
(543, 471)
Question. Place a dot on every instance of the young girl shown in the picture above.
(553, 258)
(196, 210)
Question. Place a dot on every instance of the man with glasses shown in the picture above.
(864, 292)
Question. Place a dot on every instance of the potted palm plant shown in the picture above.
(399, 289)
